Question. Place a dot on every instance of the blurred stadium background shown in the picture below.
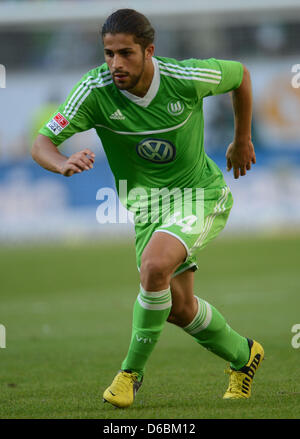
(46, 46)
(58, 302)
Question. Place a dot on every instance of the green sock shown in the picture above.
(150, 313)
(210, 329)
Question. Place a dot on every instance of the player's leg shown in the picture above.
(205, 323)
(160, 258)
(162, 255)
(184, 303)
(209, 328)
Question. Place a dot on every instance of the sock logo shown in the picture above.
(143, 339)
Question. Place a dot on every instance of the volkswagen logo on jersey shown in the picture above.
(175, 107)
(156, 150)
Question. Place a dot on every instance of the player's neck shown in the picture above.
(144, 83)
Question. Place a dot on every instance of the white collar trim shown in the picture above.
(152, 91)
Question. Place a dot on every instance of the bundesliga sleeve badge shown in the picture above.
(57, 124)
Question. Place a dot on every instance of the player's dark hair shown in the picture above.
(129, 21)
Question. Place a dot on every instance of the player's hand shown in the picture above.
(78, 162)
(240, 155)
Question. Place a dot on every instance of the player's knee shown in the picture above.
(154, 272)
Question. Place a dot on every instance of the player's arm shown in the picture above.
(75, 115)
(240, 153)
(46, 154)
(230, 76)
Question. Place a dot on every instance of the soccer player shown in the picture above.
(147, 110)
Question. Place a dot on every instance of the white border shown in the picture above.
(152, 91)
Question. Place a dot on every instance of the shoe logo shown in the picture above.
(175, 108)
(117, 115)
(253, 366)
(113, 394)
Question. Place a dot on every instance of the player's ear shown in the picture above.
(149, 51)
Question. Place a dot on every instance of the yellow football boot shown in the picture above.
(121, 392)
(240, 380)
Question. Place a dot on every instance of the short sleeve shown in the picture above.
(73, 116)
(213, 76)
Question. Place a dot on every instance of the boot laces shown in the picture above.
(236, 380)
(124, 380)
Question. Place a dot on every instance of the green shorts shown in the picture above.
(194, 230)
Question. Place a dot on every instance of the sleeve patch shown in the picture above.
(57, 124)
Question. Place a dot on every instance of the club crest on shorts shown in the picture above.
(175, 107)
(156, 150)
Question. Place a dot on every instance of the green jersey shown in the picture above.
(155, 141)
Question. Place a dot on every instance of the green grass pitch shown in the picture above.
(67, 312)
